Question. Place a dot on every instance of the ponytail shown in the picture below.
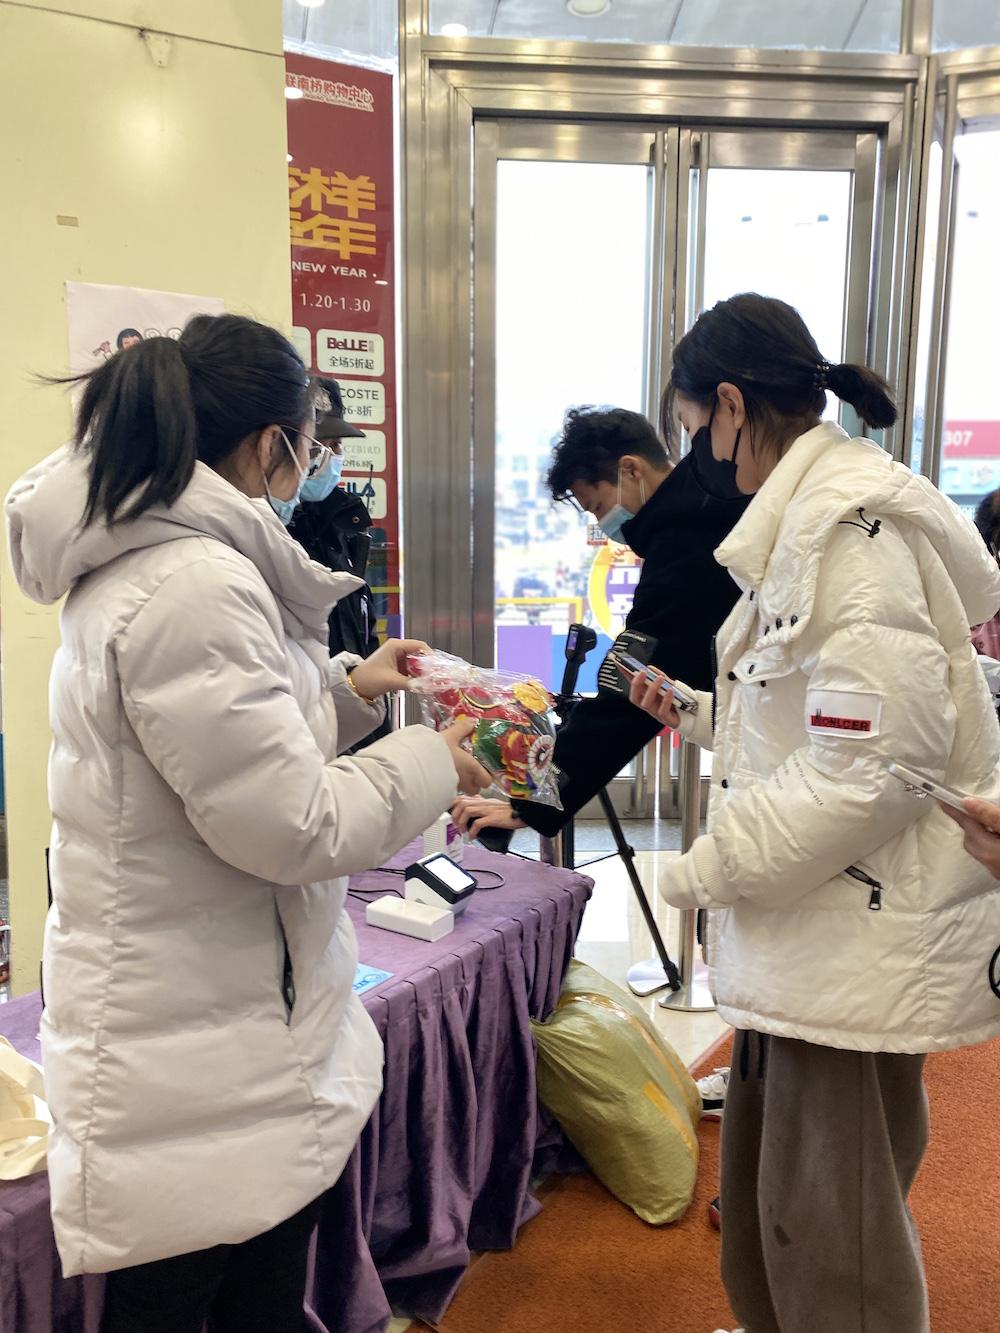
(137, 421)
(763, 346)
(157, 408)
(866, 391)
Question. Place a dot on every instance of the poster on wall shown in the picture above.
(341, 221)
(104, 319)
(970, 461)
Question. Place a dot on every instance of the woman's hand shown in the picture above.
(472, 777)
(385, 671)
(475, 814)
(981, 824)
(645, 693)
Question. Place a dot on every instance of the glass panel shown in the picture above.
(805, 24)
(959, 23)
(970, 463)
(572, 241)
(784, 234)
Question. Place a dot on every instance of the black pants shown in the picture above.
(256, 1287)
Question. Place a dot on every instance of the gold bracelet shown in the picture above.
(354, 689)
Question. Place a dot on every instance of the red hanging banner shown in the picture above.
(341, 216)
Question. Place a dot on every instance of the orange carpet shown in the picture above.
(586, 1264)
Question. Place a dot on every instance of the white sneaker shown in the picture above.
(712, 1090)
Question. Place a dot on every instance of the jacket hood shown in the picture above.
(827, 478)
(50, 551)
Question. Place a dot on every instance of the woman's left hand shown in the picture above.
(646, 692)
(981, 824)
(385, 671)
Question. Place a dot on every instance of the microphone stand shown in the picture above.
(655, 976)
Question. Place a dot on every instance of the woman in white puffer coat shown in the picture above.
(855, 934)
(207, 1063)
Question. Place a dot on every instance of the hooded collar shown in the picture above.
(826, 478)
(50, 551)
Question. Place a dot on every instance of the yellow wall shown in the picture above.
(177, 178)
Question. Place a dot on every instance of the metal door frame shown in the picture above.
(768, 147)
(445, 85)
(514, 139)
(677, 159)
(966, 97)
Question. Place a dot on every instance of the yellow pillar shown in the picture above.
(146, 159)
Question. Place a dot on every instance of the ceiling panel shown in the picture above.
(368, 27)
(363, 27)
(791, 24)
(476, 15)
(625, 21)
(871, 25)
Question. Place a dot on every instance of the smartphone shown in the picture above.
(920, 782)
(683, 700)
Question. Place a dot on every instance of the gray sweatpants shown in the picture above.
(819, 1150)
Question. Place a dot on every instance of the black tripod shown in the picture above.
(580, 640)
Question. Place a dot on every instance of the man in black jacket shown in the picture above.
(614, 466)
(335, 532)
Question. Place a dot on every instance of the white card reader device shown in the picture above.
(416, 919)
(437, 881)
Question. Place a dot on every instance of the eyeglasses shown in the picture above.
(570, 499)
(319, 456)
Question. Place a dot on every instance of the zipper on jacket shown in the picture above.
(715, 677)
(287, 974)
(875, 898)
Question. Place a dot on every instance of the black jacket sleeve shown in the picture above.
(681, 599)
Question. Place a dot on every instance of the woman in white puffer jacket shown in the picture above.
(855, 934)
(207, 1063)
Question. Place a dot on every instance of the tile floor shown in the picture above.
(614, 935)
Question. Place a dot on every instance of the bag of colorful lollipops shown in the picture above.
(514, 737)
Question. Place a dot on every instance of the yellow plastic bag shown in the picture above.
(621, 1094)
(24, 1134)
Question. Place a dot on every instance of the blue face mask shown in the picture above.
(613, 522)
(325, 482)
(285, 509)
(617, 516)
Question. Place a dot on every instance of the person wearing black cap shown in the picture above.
(334, 527)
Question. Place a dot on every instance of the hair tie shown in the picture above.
(821, 378)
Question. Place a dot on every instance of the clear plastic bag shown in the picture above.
(514, 737)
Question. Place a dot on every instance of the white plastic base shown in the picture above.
(695, 997)
(647, 978)
(409, 918)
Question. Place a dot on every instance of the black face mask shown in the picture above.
(717, 476)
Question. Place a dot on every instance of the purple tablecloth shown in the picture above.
(444, 1165)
